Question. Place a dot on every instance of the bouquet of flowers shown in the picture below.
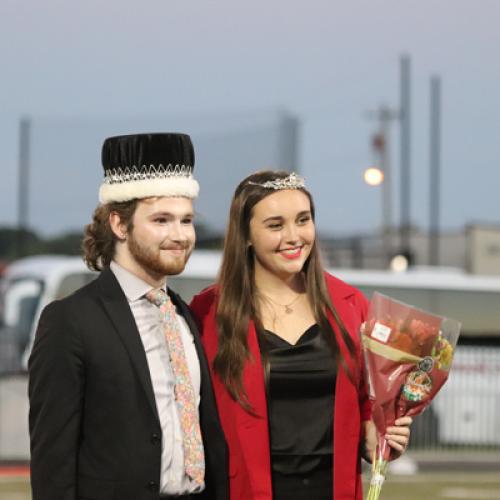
(408, 355)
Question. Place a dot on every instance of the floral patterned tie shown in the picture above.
(194, 459)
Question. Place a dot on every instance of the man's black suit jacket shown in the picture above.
(94, 427)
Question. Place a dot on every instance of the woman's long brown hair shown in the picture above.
(237, 303)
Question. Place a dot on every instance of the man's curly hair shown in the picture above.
(98, 239)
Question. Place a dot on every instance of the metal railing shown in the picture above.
(465, 415)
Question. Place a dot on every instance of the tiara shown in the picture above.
(293, 181)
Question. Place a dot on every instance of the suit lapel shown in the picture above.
(115, 303)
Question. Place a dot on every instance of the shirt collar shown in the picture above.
(133, 287)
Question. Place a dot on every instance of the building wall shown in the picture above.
(367, 251)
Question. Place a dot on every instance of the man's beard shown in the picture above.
(151, 261)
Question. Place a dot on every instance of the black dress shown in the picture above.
(301, 386)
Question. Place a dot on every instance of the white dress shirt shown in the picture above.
(173, 480)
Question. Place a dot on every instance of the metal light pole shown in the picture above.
(435, 170)
(23, 185)
(380, 144)
(405, 110)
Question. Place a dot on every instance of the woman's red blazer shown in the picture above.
(247, 435)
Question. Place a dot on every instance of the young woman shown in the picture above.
(281, 336)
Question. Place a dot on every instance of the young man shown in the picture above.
(121, 405)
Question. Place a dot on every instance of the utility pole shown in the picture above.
(380, 144)
(23, 185)
(405, 115)
(435, 170)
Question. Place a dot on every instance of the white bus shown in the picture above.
(465, 412)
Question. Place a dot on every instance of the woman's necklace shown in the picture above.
(288, 307)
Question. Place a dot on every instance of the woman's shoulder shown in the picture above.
(339, 289)
(203, 301)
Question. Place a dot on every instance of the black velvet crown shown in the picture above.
(147, 149)
(145, 165)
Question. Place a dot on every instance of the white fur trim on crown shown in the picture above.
(171, 186)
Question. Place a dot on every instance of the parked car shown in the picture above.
(27, 286)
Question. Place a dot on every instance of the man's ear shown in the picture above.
(119, 229)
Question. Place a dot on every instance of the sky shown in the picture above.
(327, 62)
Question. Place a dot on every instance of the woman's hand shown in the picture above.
(398, 436)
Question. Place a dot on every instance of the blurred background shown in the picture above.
(389, 109)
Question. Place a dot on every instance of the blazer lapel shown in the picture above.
(115, 303)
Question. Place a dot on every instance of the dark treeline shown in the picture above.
(15, 243)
